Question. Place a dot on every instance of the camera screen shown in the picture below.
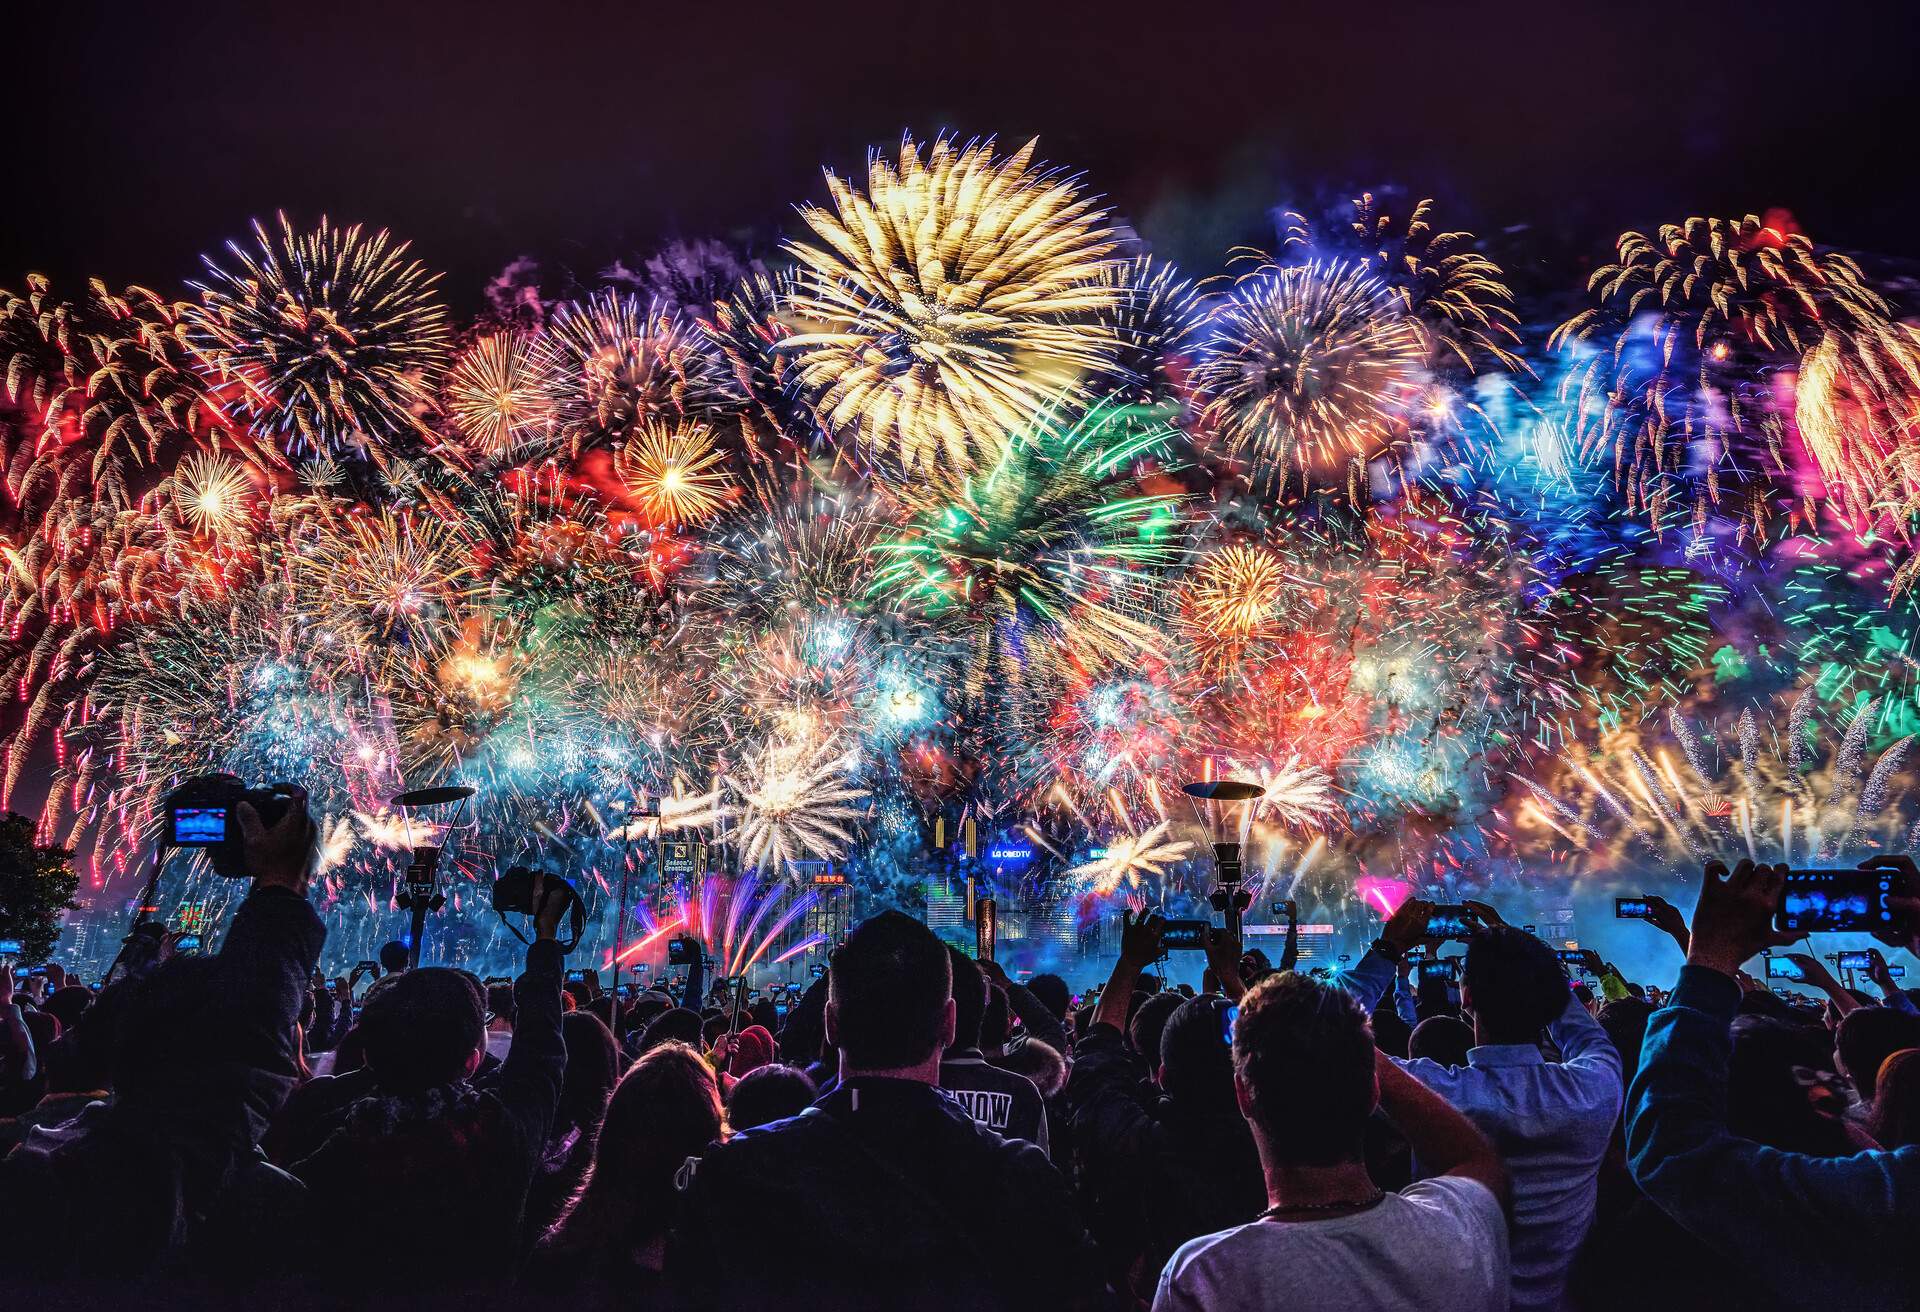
(1443, 968)
(199, 826)
(1783, 968)
(1856, 961)
(1449, 923)
(1631, 908)
(11, 947)
(1835, 901)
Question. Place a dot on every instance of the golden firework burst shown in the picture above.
(214, 495)
(500, 393)
(676, 470)
(949, 302)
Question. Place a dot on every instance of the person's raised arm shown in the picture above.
(1890, 990)
(18, 1062)
(1223, 956)
(261, 971)
(1034, 1014)
(1290, 954)
(1665, 917)
(1818, 976)
(1443, 1141)
(536, 1062)
(1800, 1218)
(1139, 948)
(1373, 974)
(690, 997)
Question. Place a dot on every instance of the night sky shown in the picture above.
(141, 134)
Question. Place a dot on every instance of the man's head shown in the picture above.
(426, 1028)
(1196, 1066)
(890, 995)
(1149, 1022)
(1444, 1039)
(1053, 993)
(393, 956)
(1303, 1067)
(1513, 985)
(969, 998)
(1867, 1037)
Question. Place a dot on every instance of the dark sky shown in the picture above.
(140, 133)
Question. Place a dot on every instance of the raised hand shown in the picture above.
(1666, 917)
(1140, 939)
(1408, 925)
(1734, 918)
(283, 854)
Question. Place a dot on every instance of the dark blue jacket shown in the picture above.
(882, 1194)
(1837, 1230)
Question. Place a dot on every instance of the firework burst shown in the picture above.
(676, 472)
(951, 302)
(1130, 860)
(499, 393)
(796, 802)
(331, 339)
(617, 363)
(1678, 358)
(1309, 371)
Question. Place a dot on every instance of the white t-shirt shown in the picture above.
(1441, 1243)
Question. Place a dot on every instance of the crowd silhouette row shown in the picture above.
(918, 1129)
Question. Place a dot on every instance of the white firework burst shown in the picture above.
(1131, 859)
(796, 802)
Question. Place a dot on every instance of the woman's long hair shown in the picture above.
(665, 1109)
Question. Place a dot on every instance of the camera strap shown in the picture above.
(576, 915)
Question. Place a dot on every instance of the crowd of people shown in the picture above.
(918, 1129)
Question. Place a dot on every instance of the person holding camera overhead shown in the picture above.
(439, 1167)
(205, 1056)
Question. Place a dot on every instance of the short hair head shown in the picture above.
(1515, 982)
(422, 1029)
(393, 956)
(1303, 1060)
(969, 998)
(1444, 1039)
(1053, 993)
(888, 989)
(1867, 1037)
(1196, 1065)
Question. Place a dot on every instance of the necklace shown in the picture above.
(1358, 1205)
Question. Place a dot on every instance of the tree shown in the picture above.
(37, 884)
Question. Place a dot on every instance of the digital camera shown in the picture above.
(202, 813)
(513, 891)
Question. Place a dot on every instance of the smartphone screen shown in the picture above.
(1632, 908)
(1835, 901)
(1450, 922)
(1785, 968)
(1182, 935)
(1856, 961)
(1442, 968)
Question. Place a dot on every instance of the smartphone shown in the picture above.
(816, 970)
(11, 947)
(580, 977)
(1183, 935)
(1571, 957)
(1836, 901)
(1896, 972)
(683, 951)
(1227, 1017)
(187, 943)
(1447, 968)
(1855, 961)
(1453, 923)
(1633, 908)
(1785, 968)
